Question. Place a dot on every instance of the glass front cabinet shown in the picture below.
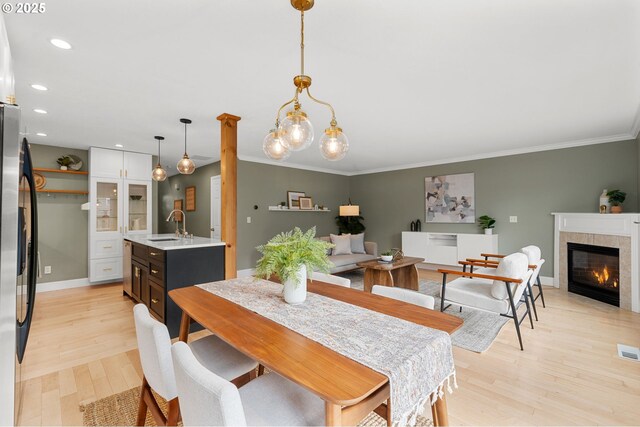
(118, 206)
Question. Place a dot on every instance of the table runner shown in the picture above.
(417, 360)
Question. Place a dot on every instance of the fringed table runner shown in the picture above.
(417, 360)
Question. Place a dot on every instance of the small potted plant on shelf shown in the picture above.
(487, 223)
(290, 256)
(64, 162)
(386, 256)
(616, 198)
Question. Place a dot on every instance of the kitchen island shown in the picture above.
(157, 263)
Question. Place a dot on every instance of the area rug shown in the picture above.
(121, 410)
(479, 330)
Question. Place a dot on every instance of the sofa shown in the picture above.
(348, 262)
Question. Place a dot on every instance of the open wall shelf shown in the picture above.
(71, 172)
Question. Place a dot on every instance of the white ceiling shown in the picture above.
(412, 81)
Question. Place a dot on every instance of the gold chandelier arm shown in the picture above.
(333, 113)
(294, 99)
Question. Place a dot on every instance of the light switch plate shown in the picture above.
(513, 219)
(47, 269)
(248, 220)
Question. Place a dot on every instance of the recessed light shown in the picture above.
(41, 134)
(119, 145)
(60, 43)
(39, 87)
(40, 111)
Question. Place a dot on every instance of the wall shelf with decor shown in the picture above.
(75, 192)
(278, 209)
(72, 172)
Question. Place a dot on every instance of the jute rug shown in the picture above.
(479, 330)
(121, 410)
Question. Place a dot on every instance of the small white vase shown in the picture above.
(63, 168)
(488, 231)
(295, 289)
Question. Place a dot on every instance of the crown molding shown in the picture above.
(265, 161)
(635, 128)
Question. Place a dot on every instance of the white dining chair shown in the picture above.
(271, 400)
(406, 295)
(329, 278)
(154, 346)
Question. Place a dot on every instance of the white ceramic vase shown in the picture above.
(488, 231)
(295, 290)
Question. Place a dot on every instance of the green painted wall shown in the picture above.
(173, 188)
(530, 186)
(62, 226)
(266, 185)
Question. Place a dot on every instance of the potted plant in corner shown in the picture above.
(487, 223)
(616, 198)
(290, 255)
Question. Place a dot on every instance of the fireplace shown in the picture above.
(594, 272)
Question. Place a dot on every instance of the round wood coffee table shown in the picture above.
(402, 273)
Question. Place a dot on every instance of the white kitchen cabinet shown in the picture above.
(447, 248)
(119, 204)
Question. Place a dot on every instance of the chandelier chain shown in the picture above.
(302, 42)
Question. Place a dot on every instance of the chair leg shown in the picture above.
(444, 286)
(526, 301)
(260, 370)
(540, 289)
(514, 314)
(533, 300)
(173, 414)
(142, 406)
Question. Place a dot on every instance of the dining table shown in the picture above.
(349, 389)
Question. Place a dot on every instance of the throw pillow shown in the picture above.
(512, 266)
(343, 244)
(357, 244)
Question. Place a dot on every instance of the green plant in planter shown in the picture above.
(485, 221)
(350, 224)
(387, 253)
(616, 197)
(286, 252)
(65, 161)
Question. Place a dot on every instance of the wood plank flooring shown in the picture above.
(83, 348)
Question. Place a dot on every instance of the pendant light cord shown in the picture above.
(185, 138)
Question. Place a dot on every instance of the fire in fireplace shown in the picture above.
(594, 272)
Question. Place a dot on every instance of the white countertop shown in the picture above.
(168, 245)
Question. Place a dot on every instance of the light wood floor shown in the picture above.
(83, 348)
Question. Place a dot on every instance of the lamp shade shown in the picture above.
(349, 210)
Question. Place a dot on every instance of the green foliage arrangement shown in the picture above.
(616, 197)
(387, 253)
(485, 221)
(286, 252)
(350, 224)
(64, 161)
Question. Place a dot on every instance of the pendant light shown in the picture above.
(295, 131)
(186, 165)
(159, 174)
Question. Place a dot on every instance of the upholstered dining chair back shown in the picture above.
(205, 398)
(154, 345)
(329, 278)
(406, 295)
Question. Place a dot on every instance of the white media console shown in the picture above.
(447, 248)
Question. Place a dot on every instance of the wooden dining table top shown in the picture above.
(333, 377)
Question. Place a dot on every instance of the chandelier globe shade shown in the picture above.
(334, 144)
(159, 174)
(186, 166)
(296, 130)
(273, 146)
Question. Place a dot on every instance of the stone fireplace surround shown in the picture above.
(620, 231)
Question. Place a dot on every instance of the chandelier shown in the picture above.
(295, 131)
(185, 165)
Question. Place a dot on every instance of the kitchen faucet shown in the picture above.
(184, 223)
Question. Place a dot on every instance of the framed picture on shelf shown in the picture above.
(177, 204)
(190, 198)
(305, 203)
(293, 198)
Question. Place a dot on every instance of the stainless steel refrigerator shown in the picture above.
(18, 259)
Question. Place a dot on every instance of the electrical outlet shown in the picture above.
(47, 269)
(513, 219)
(248, 220)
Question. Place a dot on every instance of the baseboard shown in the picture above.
(547, 281)
(62, 284)
(247, 272)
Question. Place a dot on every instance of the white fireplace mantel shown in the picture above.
(626, 224)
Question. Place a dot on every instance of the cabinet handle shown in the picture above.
(153, 253)
(107, 247)
(137, 272)
(120, 173)
(154, 271)
(107, 269)
(154, 300)
(125, 173)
